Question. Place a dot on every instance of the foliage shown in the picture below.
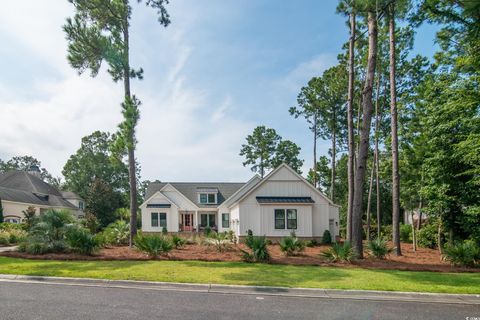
(29, 216)
(207, 231)
(291, 245)
(1, 212)
(406, 233)
(288, 152)
(94, 168)
(153, 245)
(164, 231)
(339, 252)
(82, 241)
(378, 248)
(4, 237)
(465, 254)
(178, 242)
(258, 247)
(427, 236)
(311, 243)
(327, 237)
(221, 241)
(91, 222)
(117, 233)
(48, 233)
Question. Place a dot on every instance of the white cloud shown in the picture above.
(181, 136)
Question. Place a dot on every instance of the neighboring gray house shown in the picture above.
(274, 206)
(20, 190)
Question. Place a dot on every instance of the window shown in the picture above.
(207, 220)
(291, 218)
(12, 220)
(163, 219)
(225, 220)
(155, 219)
(279, 218)
(80, 205)
(285, 218)
(207, 198)
(159, 219)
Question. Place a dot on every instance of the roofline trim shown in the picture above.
(144, 204)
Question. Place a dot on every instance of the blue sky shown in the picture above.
(221, 68)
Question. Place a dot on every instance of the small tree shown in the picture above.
(29, 215)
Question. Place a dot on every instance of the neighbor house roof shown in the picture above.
(70, 195)
(20, 186)
(191, 189)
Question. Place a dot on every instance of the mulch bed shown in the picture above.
(421, 260)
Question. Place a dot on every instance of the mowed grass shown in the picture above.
(249, 274)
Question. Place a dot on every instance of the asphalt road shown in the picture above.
(46, 301)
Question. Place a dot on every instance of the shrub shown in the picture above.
(153, 245)
(207, 231)
(258, 247)
(291, 245)
(327, 237)
(427, 236)
(48, 233)
(82, 241)
(406, 233)
(465, 254)
(311, 243)
(378, 248)
(164, 231)
(4, 237)
(340, 252)
(116, 233)
(219, 240)
(178, 242)
(7, 226)
(16, 236)
(386, 232)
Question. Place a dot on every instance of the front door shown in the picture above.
(187, 221)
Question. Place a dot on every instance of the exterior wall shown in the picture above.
(172, 215)
(312, 220)
(15, 209)
(235, 220)
(178, 199)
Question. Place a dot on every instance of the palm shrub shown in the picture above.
(220, 241)
(340, 252)
(258, 247)
(153, 245)
(178, 242)
(327, 237)
(465, 254)
(116, 233)
(378, 248)
(311, 243)
(48, 233)
(291, 245)
(82, 241)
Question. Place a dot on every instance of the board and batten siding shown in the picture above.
(172, 214)
(312, 219)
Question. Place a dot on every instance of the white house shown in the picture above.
(20, 190)
(274, 206)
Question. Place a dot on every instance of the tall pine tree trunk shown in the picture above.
(393, 111)
(334, 157)
(369, 200)
(131, 148)
(364, 135)
(315, 150)
(351, 142)
(376, 158)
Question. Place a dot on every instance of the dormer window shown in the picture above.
(207, 195)
(208, 198)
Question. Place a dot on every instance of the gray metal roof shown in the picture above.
(190, 190)
(20, 186)
(285, 200)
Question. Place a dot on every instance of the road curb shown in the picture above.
(471, 299)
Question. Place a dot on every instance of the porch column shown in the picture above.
(197, 221)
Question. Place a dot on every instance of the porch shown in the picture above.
(197, 221)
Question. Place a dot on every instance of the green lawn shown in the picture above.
(250, 274)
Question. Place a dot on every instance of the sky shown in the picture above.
(221, 68)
